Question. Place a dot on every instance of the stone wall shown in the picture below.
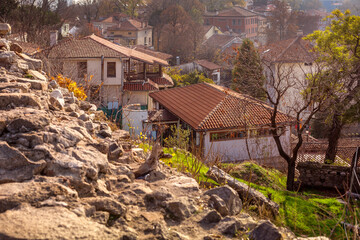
(326, 176)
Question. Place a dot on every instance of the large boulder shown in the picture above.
(15, 167)
(229, 196)
(14, 87)
(57, 222)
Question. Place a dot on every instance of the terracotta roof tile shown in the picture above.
(208, 65)
(138, 86)
(131, 25)
(290, 50)
(163, 81)
(151, 52)
(208, 107)
(94, 46)
(234, 12)
(218, 40)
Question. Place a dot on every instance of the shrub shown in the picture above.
(71, 85)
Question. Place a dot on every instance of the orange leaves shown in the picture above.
(71, 85)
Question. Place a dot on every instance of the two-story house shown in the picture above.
(131, 32)
(288, 62)
(237, 19)
(109, 71)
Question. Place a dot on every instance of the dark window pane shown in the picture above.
(111, 69)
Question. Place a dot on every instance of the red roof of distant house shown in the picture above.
(290, 50)
(131, 25)
(137, 86)
(208, 107)
(219, 40)
(233, 12)
(208, 65)
(94, 46)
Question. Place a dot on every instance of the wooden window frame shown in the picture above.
(112, 73)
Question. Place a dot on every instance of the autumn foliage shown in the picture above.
(71, 85)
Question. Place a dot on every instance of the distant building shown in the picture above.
(236, 19)
(131, 32)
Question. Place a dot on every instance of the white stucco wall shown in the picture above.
(235, 150)
(132, 121)
(135, 98)
(142, 34)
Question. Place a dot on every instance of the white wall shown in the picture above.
(132, 121)
(139, 97)
(235, 150)
(144, 33)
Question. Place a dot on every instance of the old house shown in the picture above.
(109, 71)
(224, 124)
(289, 61)
(131, 32)
(237, 19)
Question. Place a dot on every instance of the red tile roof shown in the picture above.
(151, 52)
(94, 46)
(138, 86)
(131, 25)
(208, 65)
(163, 81)
(233, 12)
(208, 107)
(290, 50)
(219, 40)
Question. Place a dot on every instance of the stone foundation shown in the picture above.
(325, 176)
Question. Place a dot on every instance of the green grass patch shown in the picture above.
(305, 213)
(185, 162)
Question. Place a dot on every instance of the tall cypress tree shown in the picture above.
(247, 74)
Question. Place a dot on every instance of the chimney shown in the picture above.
(53, 37)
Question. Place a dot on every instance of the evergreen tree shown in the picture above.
(248, 72)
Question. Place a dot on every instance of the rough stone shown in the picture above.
(229, 226)
(15, 87)
(219, 204)
(230, 197)
(154, 176)
(115, 151)
(179, 209)
(4, 45)
(15, 47)
(15, 167)
(57, 94)
(211, 217)
(107, 204)
(266, 230)
(35, 84)
(64, 224)
(29, 123)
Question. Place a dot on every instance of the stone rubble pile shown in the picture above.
(65, 174)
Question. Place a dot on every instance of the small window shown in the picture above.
(239, 22)
(111, 69)
(129, 33)
(82, 69)
(233, 22)
(207, 22)
(145, 40)
(308, 64)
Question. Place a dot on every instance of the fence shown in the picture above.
(315, 151)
